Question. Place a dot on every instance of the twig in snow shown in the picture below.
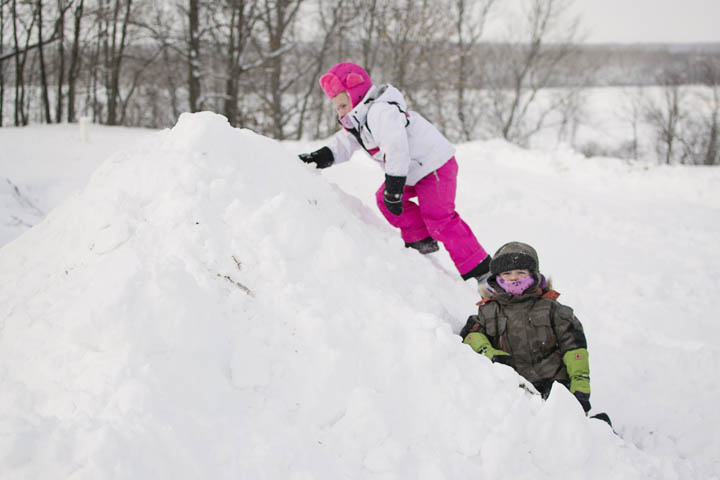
(237, 284)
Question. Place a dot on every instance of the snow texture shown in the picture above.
(207, 306)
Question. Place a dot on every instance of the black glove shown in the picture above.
(322, 158)
(469, 325)
(584, 399)
(394, 188)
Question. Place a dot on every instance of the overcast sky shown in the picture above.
(630, 21)
(650, 20)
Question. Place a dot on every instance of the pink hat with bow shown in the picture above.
(346, 77)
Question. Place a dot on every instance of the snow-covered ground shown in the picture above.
(40, 166)
(207, 306)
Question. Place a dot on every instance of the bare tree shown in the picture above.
(408, 31)
(277, 18)
(75, 59)
(632, 113)
(334, 18)
(529, 68)
(686, 121)
(20, 54)
(161, 25)
(348, 30)
(25, 18)
(59, 68)
(94, 71)
(469, 17)
(41, 58)
(242, 16)
(3, 3)
(369, 14)
(27, 21)
(665, 117)
(569, 112)
(710, 74)
(193, 57)
(255, 62)
(114, 17)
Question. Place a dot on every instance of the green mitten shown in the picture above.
(578, 368)
(480, 343)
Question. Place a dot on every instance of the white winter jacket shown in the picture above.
(402, 141)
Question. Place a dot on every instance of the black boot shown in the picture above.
(424, 246)
(481, 272)
(604, 417)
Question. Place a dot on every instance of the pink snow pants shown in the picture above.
(434, 216)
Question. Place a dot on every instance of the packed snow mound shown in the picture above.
(41, 165)
(210, 307)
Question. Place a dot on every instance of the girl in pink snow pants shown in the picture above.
(417, 159)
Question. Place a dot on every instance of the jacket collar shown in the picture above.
(494, 292)
(357, 117)
(507, 298)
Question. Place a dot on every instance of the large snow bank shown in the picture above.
(209, 307)
(41, 165)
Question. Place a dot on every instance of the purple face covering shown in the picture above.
(518, 286)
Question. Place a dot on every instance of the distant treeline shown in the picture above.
(143, 62)
(648, 64)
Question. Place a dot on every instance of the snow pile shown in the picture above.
(210, 307)
(41, 165)
(633, 249)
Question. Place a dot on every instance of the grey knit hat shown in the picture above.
(515, 256)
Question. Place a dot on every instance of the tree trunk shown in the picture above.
(242, 18)
(711, 152)
(277, 18)
(100, 49)
(461, 72)
(43, 70)
(74, 68)
(712, 149)
(21, 118)
(116, 57)
(2, 65)
(672, 121)
(338, 19)
(194, 55)
(60, 63)
(172, 88)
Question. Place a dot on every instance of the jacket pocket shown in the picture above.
(543, 340)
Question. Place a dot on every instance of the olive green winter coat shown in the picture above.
(534, 329)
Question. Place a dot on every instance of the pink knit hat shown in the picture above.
(348, 77)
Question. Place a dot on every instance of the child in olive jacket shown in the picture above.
(521, 324)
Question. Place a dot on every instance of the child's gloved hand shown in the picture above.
(584, 399)
(394, 188)
(480, 343)
(578, 368)
(322, 158)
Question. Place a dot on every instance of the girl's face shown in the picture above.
(514, 275)
(342, 104)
